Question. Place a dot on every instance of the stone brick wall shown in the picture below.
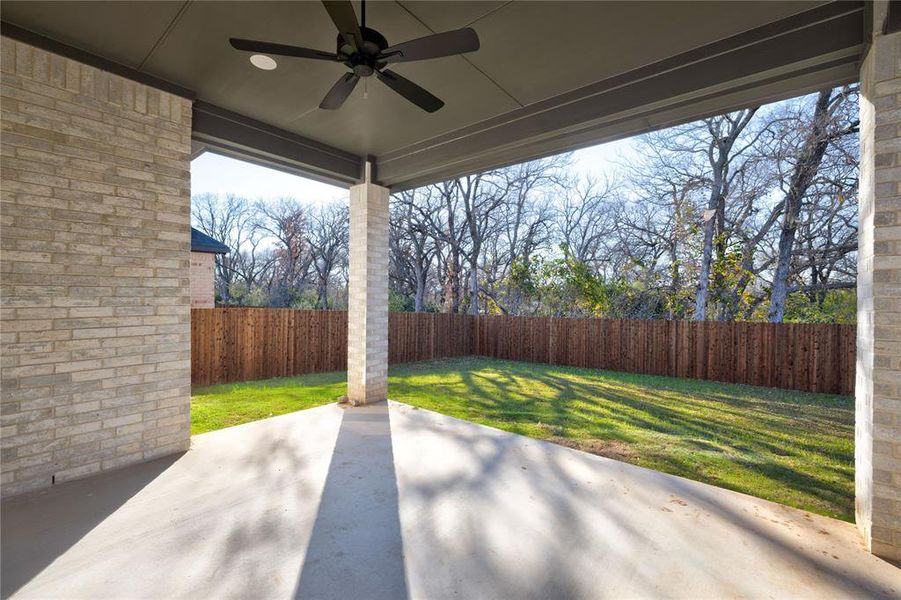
(202, 281)
(878, 423)
(95, 288)
(367, 315)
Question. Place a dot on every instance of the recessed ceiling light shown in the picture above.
(261, 61)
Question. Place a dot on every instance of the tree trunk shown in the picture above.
(473, 288)
(706, 261)
(420, 289)
(675, 278)
(323, 294)
(452, 289)
(802, 176)
(780, 280)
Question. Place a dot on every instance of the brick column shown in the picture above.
(878, 419)
(367, 323)
(95, 226)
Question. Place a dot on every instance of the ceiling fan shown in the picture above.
(366, 52)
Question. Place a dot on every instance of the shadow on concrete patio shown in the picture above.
(55, 520)
(356, 549)
(488, 514)
(389, 501)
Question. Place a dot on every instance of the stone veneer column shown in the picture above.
(878, 411)
(367, 315)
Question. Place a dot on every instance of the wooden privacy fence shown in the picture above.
(808, 357)
(241, 344)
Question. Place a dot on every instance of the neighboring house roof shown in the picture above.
(201, 242)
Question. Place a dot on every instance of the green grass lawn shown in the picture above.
(790, 447)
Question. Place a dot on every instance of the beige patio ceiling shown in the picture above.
(550, 76)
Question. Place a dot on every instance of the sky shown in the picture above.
(217, 174)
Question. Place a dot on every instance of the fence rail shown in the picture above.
(240, 344)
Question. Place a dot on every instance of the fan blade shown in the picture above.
(432, 46)
(339, 92)
(280, 49)
(345, 19)
(409, 90)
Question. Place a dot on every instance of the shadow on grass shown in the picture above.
(788, 446)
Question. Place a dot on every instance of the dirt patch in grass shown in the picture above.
(614, 449)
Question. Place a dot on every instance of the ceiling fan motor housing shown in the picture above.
(363, 60)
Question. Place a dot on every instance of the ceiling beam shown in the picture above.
(225, 132)
(779, 60)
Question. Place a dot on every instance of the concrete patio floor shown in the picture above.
(388, 501)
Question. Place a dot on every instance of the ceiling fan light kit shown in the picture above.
(366, 53)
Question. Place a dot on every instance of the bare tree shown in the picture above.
(285, 220)
(724, 132)
(447, 228)
(480, 196)
(327, 238)
(665, 190)
(413, 245)
(802, 148)
(523, 225)
(586, 218)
